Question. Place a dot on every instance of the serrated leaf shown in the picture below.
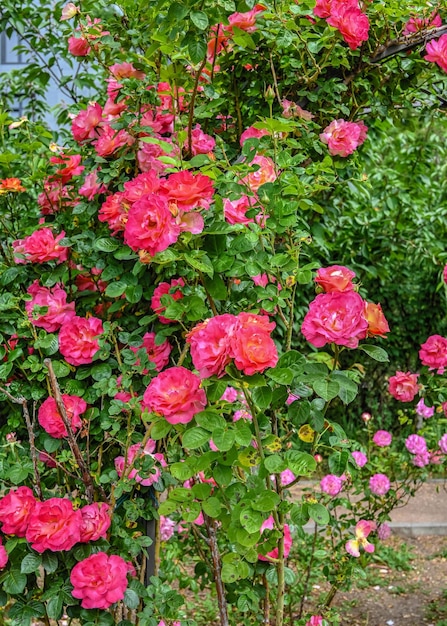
(376, 353)
(15, 582)
(212, 507)
(116, 289)
(30, 563)
(160, 429)
(262, 397)
(210, 420)
(195, 438)
(199, 19)
(282, 375)
(106, 245)
(274, 464)
(300, 463)
(223, 439)
(131, 599)
(55, 606)
(49, 562)
(265, 501)
(326, 389)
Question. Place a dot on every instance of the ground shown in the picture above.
(414, 597)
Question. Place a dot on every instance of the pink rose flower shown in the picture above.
(86, 123)
(4, 558)
(165, 289)
(442, 443)
(157, 354)
(265, 173)
(352, 24)
(167, 527)
(110, 140)
(15, 510)
(51, 421)
(415, 444)
(235, 210)
(55, 300)
(421, 460)
(343, 138)
(315, 620)
(331, 484)
(114, 212)
(437, 52)
(360, 458)
(403, 386)
(210, 345)
(135, 452)
(78, 46)
(92, 187)
(40, 247)
(335, 278)
(201, 142)
(95, 522)
(433, 353)
(78, 339)
(150, 225)
(416, 24)
(423, 410)
(336, 317)
(246, 21)
(175, 394)
(252, 132)
(379, 484)
(444, 274)
(384, 531)
(382, 438)
(273, 554)
(362, 529)
(54, 525)
(99, 580)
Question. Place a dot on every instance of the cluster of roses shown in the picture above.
(422, 456)
(53, 524)
(340, 315)
(347, 17)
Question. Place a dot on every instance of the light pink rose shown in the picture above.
(273, 554)
(331, 484)
(54, 525)
(343, 138)
(235, 210)
(78, 339)
(201, 142)
(55, 300)
(416, 24)
(175, 394)
(92, 186)
(403, 386)
(86, 123)
(135, 452)
(15, 510)
(382, 438)
(99, 580)
(167, 527)
(110, 140)
(40, 247)
(252, 132)
(423, 410)
(95, 521)
(442, 443)
(379, 484)
(360, 458)
(315, 620)
(51, 421)
(336, 317)
(416, 444)
(78, 46)
(362, 529)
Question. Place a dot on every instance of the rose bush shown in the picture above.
(155, 276)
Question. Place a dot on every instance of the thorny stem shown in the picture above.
(183, 354)
(191, 104)
(86, 476)
(308, 572)
(291, 316)
(275, 80)
(217, 569)
(21, 400)
(280, 571)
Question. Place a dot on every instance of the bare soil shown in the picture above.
(417, 597)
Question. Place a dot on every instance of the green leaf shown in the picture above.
(223, 439)
(160, 429)
(199, 19)
(319, 514)
(212, 507)
(251, 520)
(131, 599)
(376, 353)
(281, 375)
(222, 474)
(181, 471)
(243, 434)
(15, 582)
(18, 473)
(116, 289)
(55, 606)
(31, 563)
(265, 501)
(262, 397)
(215, 390)
(210, 420)
(300, 463)
(348, 388)
(197, 51)
(195, 438)
(106, 245)
(216, 287)
(326, 389)
(49, 562)
(274, 464)
(200, 261)
(229, 573)
(290, 359)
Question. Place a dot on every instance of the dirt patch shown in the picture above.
(401, 598)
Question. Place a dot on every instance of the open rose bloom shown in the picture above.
(99, 580)
(363, 529)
